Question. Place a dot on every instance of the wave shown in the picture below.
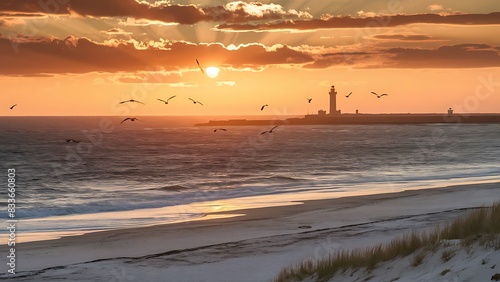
(284, 178)
(87, 208)
(173, 188)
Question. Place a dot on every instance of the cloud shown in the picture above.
(456, 56)
(362, 14)
(462, 56)
(142, 12)
(365, 22)
(164, 62)
(404, 37)
(116, 31)
(10, 21)
(351, 59)
(435, 7)
(184, 14)
(238, 11)
(33, 55)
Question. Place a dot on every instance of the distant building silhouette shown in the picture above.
(333, 102)
(450, 111)
(322, 112)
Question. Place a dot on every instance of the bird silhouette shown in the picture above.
(262, 108)
(270, 131)
(223, 129)
(378, 96)
(195, 102)
(13, 106)
(347, 96)
(166, 102)
(72, 141)
(309, 100)
(131, 119)
(202, 70)
(131, 101)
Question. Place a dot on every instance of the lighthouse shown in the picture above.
(333, 102)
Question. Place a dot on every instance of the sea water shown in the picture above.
(166, 162)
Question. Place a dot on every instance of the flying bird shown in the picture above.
(347, 96)
(131, 119)
(270, 131)
(262, 108)
(378, 96)
(13, 106)
(309, 100)
(72, 141)
(202, 71)
(131, 101)
(166, 102)
(223, 129)
(195, 102)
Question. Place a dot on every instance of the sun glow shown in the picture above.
(212, 72)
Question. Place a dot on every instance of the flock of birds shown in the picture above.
(132, 119)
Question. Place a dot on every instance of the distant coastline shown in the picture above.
(346, 119)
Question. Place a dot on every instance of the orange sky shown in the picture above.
(83, 57)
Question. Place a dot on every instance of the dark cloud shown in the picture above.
(403, 37)
(29, 56)
(233, 12)
(184, 14)
(366, 22)
(354, 59)
(456, 56)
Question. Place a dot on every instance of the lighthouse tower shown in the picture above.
(333, 102)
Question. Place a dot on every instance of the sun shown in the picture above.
(212, 72)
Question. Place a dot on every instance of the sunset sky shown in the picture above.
(81, 57)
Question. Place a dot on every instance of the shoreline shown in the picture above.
(210, 210)
(270, 222)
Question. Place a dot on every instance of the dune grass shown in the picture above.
(479, 225)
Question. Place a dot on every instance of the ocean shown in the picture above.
(140, 173)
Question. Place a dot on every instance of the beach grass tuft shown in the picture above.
(443, 273)
(446, 255)
(418, 258)
(481, 225)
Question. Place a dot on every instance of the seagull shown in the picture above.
(270, 131)
(223, 129)
(378, 96)
(13, 106)
(72, 141)
(131, 119)
(202, 71)
(347, 96)
(309, 100)
(262, 108)
(131, 101)
(195, 102)
(166, 102)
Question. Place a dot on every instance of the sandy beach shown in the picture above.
(252, 246)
